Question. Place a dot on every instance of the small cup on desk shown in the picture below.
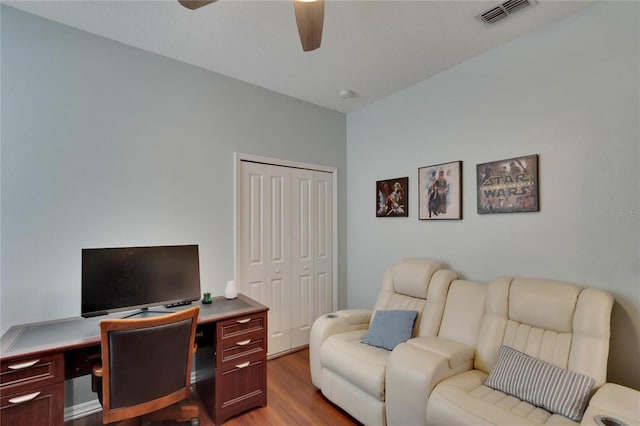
(231, 291)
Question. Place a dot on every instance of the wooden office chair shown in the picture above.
(146, 367)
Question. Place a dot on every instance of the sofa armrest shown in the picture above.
(614, 402)
(356, 317)
(328, 325)
(414, 369)
(456, 353)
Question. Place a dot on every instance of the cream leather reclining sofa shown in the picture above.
(352, 374)
(439, 376)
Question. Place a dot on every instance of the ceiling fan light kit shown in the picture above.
(309, 18)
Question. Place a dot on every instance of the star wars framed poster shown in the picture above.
(508, 186)
(440, 191)
(392, 197)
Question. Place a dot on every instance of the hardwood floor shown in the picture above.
(291, 400)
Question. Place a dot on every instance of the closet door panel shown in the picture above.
(323, 247)
(252, 233)
(303, 242)
(279, 259)
(265, 249)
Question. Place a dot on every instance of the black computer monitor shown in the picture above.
(128, 278)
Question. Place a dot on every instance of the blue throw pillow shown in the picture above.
(390, 328)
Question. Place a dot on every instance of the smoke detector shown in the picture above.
(502, 10)
(346, 94)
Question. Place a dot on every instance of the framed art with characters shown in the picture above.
(392, 197)
(508, 186)
(440, 191)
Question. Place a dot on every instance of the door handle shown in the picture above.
(243, 365)
(243, 321)
(243, 342)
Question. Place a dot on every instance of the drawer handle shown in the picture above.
(24, 398)
(243, 343)
(24, 365)
(243, 321)
(243, 365)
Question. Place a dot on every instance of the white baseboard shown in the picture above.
(82, 410)
(91, 407)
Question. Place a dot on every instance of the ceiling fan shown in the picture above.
(309, 18)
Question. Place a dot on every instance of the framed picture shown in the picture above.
(508, 186)
(440, 191)
(392, 197)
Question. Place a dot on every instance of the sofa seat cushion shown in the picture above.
(555, 389)
(361, 364)
(464, 399)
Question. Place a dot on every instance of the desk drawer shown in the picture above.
(238, 350)
(241, 388)
(31, 372)
(236, 327)
(43, 406)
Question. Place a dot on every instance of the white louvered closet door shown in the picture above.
(286, 248)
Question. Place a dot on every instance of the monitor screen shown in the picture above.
(126, 278)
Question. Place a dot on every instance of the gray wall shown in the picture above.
(107, 145)
(569, 92)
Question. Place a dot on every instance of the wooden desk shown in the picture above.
(231, 371)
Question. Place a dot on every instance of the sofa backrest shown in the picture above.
(560, 323)
(420, 285)
(463, 312)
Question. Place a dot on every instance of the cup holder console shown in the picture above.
(607, 421)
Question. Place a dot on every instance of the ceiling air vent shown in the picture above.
(502, 10)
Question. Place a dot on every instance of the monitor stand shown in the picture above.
(146, 312)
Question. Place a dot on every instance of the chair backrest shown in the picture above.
(146, 363)
(557, 322)
(420, 285)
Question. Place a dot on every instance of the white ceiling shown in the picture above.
(372, 47)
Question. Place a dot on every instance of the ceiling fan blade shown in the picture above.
(195, 4)
(309, 17)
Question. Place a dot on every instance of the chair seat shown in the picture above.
(360, 364)
(466, 397)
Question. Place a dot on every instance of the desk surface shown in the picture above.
(76, 332)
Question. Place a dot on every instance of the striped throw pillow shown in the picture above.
(542, 384)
